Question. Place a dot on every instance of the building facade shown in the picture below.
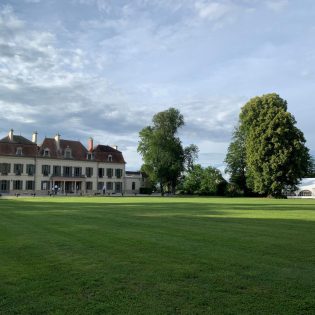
(133, 182)
(59, 166)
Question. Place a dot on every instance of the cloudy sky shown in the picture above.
(102, 68)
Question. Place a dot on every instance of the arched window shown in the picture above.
(110, 158)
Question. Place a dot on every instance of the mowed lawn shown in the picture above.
(151, 255)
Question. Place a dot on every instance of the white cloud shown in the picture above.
(17, 112)
(108, 68)
(102, 5)
(277, 5)
(213, 10)
(9, 20)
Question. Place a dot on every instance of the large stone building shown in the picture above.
(64, 166)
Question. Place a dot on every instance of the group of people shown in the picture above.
(56, 189)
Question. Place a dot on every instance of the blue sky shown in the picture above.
(103, 68)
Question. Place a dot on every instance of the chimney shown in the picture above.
(11, 134)
(90, 144)
(114, 146)
(34, 137)
(57, 139)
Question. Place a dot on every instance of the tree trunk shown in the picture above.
(162, 189)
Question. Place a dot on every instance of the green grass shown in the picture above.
(157, 256)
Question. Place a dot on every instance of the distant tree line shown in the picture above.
(267, 154)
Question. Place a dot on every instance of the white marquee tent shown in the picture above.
(306, 189)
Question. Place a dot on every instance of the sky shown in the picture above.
(103, 68)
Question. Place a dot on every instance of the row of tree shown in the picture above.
(267, 155)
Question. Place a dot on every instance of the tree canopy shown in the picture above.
(268, 150)
(204, 181)
(162, 151)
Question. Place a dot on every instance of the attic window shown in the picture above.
(90, 156)
(46, 152)
(68, 153)
(110, 158)
(19, 151)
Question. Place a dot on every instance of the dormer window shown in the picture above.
(68, 154)
(110, 158)
(90, 156)
(19, 151)
(46, 152)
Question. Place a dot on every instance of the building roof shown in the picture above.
(102, 153)
(16, 140)
(131, 173)
(10, 146)
(78, 151)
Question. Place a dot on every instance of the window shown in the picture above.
(118, 187)
(45, 185)
(133, 185)
(19, 151)
(67, 171)
(89, 171)
(46, 170)
(101, 172)
(5, 168)
(109, 172)
(89, 185)
(18, 169)
(109, 186)
(68, 154)
(30, 185)
(77, 171)
(110, 158)
(118, 172)
(4, 186)
(30, 169)
(17, 185)
(90, 156)
(46, 152)
(56, 170)
(100, 185)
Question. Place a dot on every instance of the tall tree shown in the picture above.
(236, 161)
(275, 154)
(162, 150)
(190, 156)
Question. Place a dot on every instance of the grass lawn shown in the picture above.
(112, 255)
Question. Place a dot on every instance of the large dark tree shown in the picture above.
(162, 150)
(275, 154)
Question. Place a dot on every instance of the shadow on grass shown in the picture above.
(162, 208)
(183, 257)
